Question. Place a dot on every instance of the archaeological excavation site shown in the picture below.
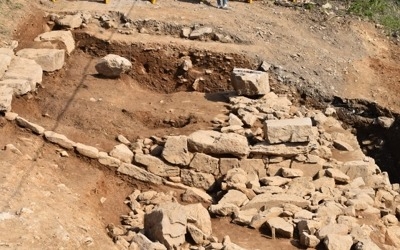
(131, 125)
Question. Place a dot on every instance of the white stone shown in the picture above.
(107, 160)
(63, 36)
(197, 33)
(122, 152)
(87, 151)
(59, 139)
(282, 227)
(6, 95)
(27, 69)
(70, 21)
(291, 172)
(337, 175)
(49, 59)
(139, 173)
(213, 142)
(288, 130)
(176, 151)
(250, 82)
(113, 65)
(338, 242)
(19, 86)
(29, 125)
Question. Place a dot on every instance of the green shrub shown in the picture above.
(384, 12)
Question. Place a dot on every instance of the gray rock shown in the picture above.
(113, 65)
(205, 163)
(6, 95)
(291, 173)
(234, 197)
(338, 242)
(62, 36)
(70, 21)
(143, 243)
(338, 175)
(122, 152)
(196, 195)
(245, 217)
(185, 32)
(29, 125)
(176, 151)
(301, 186)
(366, 244)
(19, 86)
(200, 218)
(59, 139)
(156, 166)
(200, 32)
(196, 234)
(262, 216)
(6, 56)
(27, 69)
(109, 161)
(282, 227)
(224, 209)
(226, 164)
(49, 59)
(212, 142)
(268, 201)
(275, 181)
(284, 150)
(385, 122)
(139, 173)
(288, 130)
(332, 228)
(342, 145)
(123, 139)
(87, 151)
(197, 179)
(308, 240)
(234, 120)
(250, 82)
(167, 224)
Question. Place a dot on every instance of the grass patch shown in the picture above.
(384, 12)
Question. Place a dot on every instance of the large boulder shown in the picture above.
(213, 142)
(49, 59)
(157, 166)
(62, 36)
(250, 82)
(23, 68)
(167, 224)
(122, 152)
(288, 130)
(113, 65)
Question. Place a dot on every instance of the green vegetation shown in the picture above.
(384, 12)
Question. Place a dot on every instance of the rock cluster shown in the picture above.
(268, 164)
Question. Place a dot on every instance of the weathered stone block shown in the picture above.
(288, 130)
(250, 82)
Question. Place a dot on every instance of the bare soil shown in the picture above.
(321, 55)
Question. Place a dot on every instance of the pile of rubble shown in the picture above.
(292, 171)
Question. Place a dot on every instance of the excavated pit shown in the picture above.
(159, 69)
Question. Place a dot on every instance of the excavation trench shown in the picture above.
(158, 68)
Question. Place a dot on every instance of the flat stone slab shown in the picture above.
(63, 36)
(250, 82)
(23, 68)
(29, 125)
(49, 59)
(59, 139)
(288, 130)
(19, 86)
(213, 142)
(139, 173)
(275, 200)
